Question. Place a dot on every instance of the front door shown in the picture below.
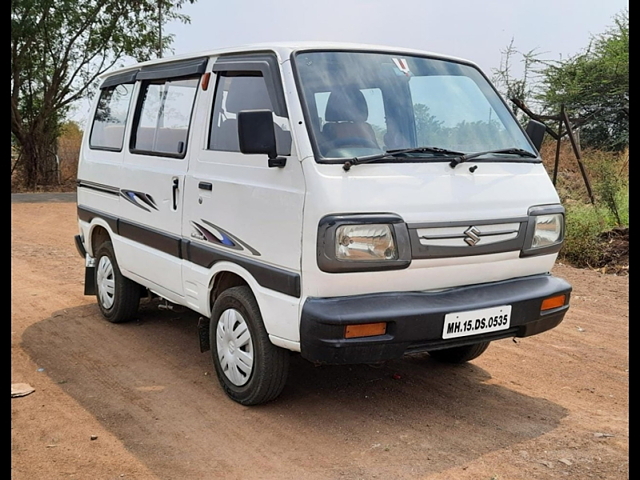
(237, 208)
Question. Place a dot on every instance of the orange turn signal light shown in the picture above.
(365, 330)
(553, 302)
(205, 80)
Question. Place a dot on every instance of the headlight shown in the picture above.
(547, 230)
(365, 243)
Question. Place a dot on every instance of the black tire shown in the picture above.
(460, 354)
(120, 302)
(267, 375)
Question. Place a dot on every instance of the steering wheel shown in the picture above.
(354, 142)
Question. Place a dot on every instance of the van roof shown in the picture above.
(284, 50)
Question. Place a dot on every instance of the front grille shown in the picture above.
(461, 239)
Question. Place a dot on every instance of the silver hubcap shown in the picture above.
(235, 349)
(106, 282)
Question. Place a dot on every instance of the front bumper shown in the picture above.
(415, 320)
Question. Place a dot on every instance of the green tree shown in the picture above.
(428, 127)
(58, 49)
(594, 82)
(511, 86)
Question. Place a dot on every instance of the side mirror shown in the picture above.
(257, 135)
(536, 130)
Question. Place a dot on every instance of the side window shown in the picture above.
(163, 122)
(237, 92)
(107, 130)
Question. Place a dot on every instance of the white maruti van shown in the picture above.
(351, 203)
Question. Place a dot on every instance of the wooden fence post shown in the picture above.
(576, 151)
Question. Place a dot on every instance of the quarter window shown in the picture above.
(107, 130)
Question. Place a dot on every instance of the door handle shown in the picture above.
(175, 193)
(205, 186)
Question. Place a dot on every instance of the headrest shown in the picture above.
(346, 105)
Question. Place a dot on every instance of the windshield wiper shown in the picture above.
(511, 151)
(392, 153)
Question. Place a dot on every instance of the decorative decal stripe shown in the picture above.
(100, 187)
(136, 197)
(220, 237)
(139, 199)
(274, 278)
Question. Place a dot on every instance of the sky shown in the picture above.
(475, 30)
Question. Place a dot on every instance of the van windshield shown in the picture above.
(361, 103)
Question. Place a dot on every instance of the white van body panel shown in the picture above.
(279, 311)
(103, 170)
(423, 192)
(154, 176)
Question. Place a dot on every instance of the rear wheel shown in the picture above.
(118, 297)
(251, 370)
(460, 354)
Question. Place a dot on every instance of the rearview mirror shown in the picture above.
(536, 130)
(257, 135)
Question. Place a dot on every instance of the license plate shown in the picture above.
(476, 322)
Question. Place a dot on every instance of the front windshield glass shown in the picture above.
(361, 103)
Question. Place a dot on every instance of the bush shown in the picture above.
(586, 223)
(586, 241)
(582, 246)
(611, 184)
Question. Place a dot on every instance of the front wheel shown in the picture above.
(462, 354)
(251, 370)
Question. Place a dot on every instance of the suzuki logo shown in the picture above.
(472, 236)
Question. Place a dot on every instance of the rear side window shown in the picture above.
(164, 117)
(107, 130)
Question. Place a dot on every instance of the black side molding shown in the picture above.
(274, 278)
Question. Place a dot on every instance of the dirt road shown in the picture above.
(139, 400)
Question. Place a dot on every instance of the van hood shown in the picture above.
(434, 192)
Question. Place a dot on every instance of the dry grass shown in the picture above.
(68, 154)
(570, 184)
(595, 237)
